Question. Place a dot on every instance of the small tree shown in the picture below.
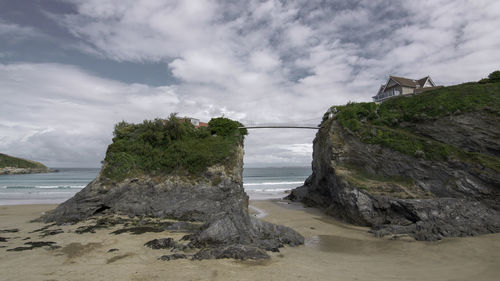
(174, 127)
(223, 127)
(123, 130)
(494, 76)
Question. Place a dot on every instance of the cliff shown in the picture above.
(12, 165)
(427, 166)
(171, 170)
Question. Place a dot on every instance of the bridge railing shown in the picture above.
(279, 126)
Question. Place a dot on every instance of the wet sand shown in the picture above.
(333, 251)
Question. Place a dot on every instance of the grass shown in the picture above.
(395, 186)
(168, 145)
(380, 123)
(9, 161)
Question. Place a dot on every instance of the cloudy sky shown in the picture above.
(71, 69)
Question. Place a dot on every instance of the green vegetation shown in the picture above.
(381, 123)
(9, 161)
(494, 77)
(169, 145)
(225, 127)
(396, 186)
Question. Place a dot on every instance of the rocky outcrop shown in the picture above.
(395, 193)
(17, 171)
(216, 198)
(10, 165)
(472, 131)
(168, 196)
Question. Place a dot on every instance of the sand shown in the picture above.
(333, 251)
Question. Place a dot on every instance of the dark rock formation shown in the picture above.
(13, 230)
(240, 252)
(165, 243)
(394, 193)
(45, 227)
(166, 196)
(215, 198)
(50, 232)
(138, 230)
(175, 256)
(102, 223)
(472, 131)
(183, 226)
(34, 245)
(238, 227)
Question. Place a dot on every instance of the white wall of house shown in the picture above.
(393, 91)
(407, 90)
(195, 122)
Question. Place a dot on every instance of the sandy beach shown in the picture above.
(333, 251)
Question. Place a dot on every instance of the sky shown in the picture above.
(71, 69)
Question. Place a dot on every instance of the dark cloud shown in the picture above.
(36, 14)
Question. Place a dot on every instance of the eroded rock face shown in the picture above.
(169, 196)
(472, 131)
(215, 198)
(369, 185)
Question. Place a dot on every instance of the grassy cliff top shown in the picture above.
(9, 161)
(169, 145)
(382, 123)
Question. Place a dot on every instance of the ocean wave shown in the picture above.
(45, 187)
(274, 190)
(273, 183)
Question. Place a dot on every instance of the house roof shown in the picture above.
(422, 81)
(407, 82)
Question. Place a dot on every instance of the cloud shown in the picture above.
(262, 61)
(62, 115)
(15, 32)
(338, 48)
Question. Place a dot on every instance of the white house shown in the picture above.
(196, 122)
(397, 86)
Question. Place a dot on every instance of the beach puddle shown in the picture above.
(250, 262)
(333, 221)
(256, 212)
(74, 250)
(338, 244)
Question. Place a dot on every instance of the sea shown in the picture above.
(54, 188)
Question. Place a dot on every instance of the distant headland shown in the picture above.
(10, 165)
